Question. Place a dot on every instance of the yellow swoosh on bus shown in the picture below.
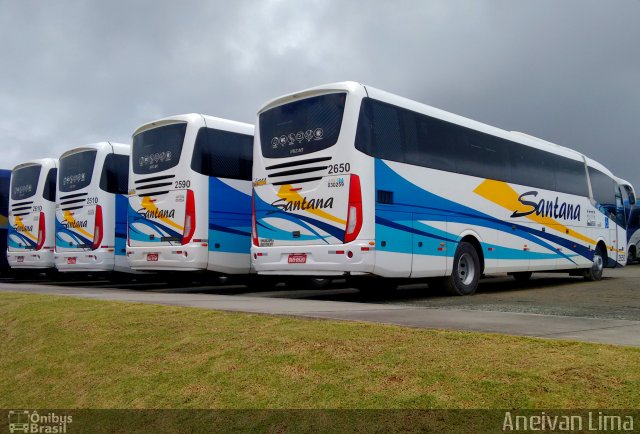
(292, 196)
(68, 217)
(502, 194)
(148, 204)
(22, 228)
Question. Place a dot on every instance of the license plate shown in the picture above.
(152, 257)
(298, 258)
(20, 258)
(71, 261)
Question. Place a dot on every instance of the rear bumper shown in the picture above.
(176, 258)
(325, 260)
(30, 259)
(94, 260)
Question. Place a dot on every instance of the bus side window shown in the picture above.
(115, 174)
(223, 154)
(49, 192)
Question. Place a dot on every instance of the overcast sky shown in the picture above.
(73, 73)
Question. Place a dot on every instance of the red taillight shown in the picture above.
(254, 226)
(354, 213)
(189, 218)
(42, 231)
(97, 229)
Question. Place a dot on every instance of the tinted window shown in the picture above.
(49, 191)
(157, 149)
(603, 188)
(24, 182)
(628, 196)
(223, 154)
(115, 174)
(4, 193)
(393, 133)
(76, 170)
(571, 177)
(302, 127)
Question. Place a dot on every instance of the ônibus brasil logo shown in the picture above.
(25, 421)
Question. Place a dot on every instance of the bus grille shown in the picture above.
(290, 175)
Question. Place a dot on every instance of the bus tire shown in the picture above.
(522, 276)
(632, 255)
(466, 271)
(597, 266)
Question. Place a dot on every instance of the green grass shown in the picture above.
(62, 352)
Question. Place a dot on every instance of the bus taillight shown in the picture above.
(354, 215)
(254, 227)
(42, 231)
(189, 218)
(97, 230)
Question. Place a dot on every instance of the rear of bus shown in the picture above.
(92, 184)
(5, 179)
(312, 190)
(31, 232)
(184, 214)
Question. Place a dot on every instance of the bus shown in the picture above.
(632, 215)
(352, 181)
(190, 195)
(91, 209)
(5, 178)
(32, 208)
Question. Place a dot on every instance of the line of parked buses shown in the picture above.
(337, 181)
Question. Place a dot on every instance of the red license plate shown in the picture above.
(152, 257)
(71, 261)
(298, 258)
(20, 258)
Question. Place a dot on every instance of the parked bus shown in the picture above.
(5, 179)
(32, 207)
(91, 210)
(632, 215)
(353, 181)
(190, 195)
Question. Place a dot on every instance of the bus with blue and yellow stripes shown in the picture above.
(356, 182)
(32, 207)
(190, 195)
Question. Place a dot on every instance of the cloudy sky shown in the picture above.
(77, 72)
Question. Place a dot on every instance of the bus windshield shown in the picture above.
(302, 127)
(157, 149)
(24, 182)
(76, 170)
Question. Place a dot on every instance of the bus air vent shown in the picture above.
(385, 196)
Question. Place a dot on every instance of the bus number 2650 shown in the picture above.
(339, 168)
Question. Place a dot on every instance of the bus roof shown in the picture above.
(219, 123)
(119, 148)
(44, 162)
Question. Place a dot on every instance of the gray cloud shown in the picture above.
(79, 72)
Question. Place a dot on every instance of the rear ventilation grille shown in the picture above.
(297, 181)
(385, 196)
(70, 196)
(154, 178)
(298, 163)
(155, 193)
(297, 171)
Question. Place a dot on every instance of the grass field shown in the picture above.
(61, 352)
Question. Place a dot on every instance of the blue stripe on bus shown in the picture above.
(406, 194)
(229, 218)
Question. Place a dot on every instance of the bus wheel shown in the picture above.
(466, 271)
(631, 255)
(522, 276)
(595, 272)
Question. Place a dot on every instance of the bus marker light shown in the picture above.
(364, 249)
(349, 254)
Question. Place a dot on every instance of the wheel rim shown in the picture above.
(598, 263)
(466, 269)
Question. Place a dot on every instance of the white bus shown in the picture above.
(32, 208)
(632, 216)
(353, 181)
(190, 195)
(91, 208)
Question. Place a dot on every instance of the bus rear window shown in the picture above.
(302, 127)
(157, 149)
(76, 170)
(24, 182)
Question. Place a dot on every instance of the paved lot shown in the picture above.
(550, 305)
